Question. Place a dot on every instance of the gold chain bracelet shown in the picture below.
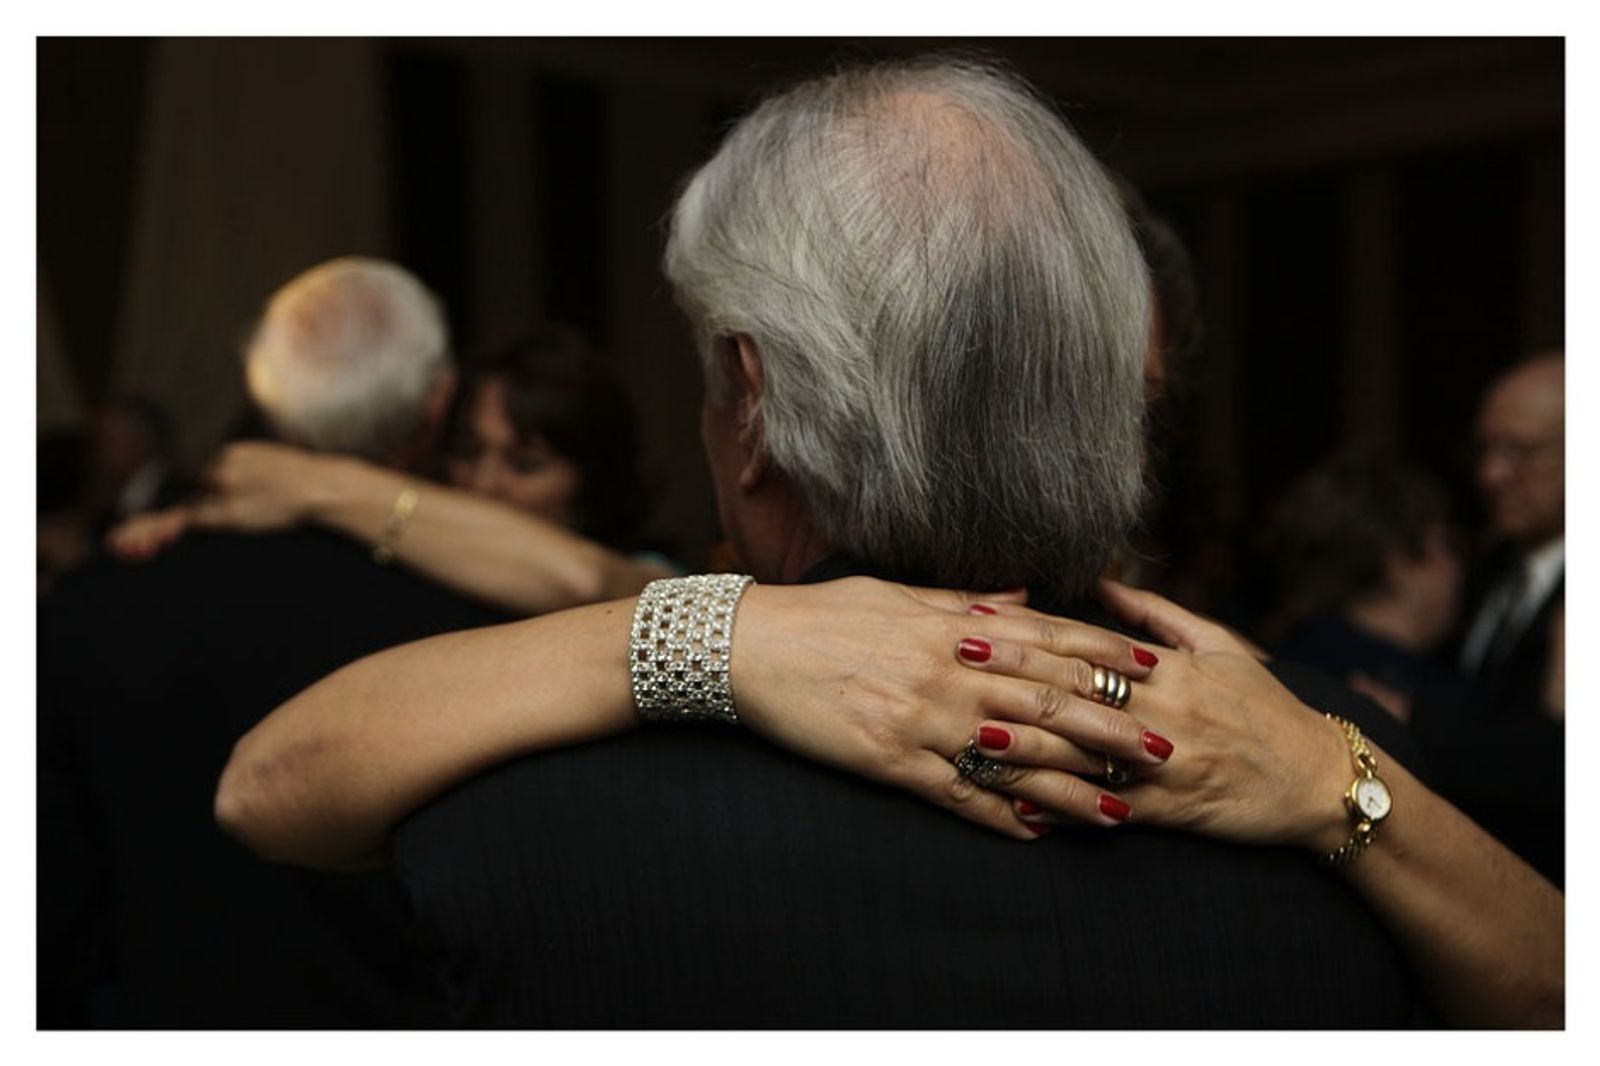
(399, 517)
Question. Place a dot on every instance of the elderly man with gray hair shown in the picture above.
(148, 674)
(922, 321)
(353, 356)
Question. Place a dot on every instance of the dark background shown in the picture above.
(1377, 223)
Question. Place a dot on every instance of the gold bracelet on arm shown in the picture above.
(399, 516)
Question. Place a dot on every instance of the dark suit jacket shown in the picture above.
(148, 674)
(1500, 758)
(697, 876)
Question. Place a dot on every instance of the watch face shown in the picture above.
(1372, 797)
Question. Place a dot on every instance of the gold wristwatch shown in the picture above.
(1367, 799)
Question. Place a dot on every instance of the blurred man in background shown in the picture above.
(148, 914)
(1522, 476)
(1502, 759)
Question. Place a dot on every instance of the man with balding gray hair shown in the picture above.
(352, 356)
(149, 673)
(921, 317)
(949, 263)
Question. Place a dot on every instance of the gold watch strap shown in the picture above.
(1366, 765)
(1346, 853)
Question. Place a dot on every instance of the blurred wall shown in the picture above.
(259, 159)
(58, 403)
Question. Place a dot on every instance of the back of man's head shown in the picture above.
(345, 358)
(951, 313)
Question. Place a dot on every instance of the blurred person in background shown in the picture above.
(1176, 328)
(149, 916)
(1503, 759)
(1177, 547)
(90, 480)
(542, 506)
(1366, 577)
(1521, 471)
(131, 465)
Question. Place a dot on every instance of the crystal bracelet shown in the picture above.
(681, 645)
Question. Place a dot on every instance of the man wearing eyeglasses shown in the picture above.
(1502, 760)
(1522, 476)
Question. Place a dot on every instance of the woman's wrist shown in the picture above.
(1325, 821)
(681, 645)
(756, 654)
(331, 487)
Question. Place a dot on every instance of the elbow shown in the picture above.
(245, 803)
(262, 801)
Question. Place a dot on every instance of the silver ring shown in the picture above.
(977, 767)
(1110, 688)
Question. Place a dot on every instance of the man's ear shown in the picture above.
(436, 403)
(746, 375)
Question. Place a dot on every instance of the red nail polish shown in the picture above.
(1112, 807)
(1026, 808)
(994, 738)
(974, 650)
(980, 608)
(1038, 829)
(1144, 658)
(1157, 745)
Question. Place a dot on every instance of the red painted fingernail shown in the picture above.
(1144, 658)
(993, 737)
(1157, 745)
(974, 650)
(1112, 807)
(1026, 808)
(1038, 829)
(980, 608)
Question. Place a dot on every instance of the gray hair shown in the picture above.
(345, 355)
(952, 316)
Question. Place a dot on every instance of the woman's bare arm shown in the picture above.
(475, 545)
(1484, 931)
(323, 779)
(858, 673)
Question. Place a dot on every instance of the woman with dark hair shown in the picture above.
(542, 425)
(540, 506)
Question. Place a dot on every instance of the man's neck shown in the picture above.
(778, 542)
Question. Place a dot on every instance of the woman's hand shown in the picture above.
(143, 536)
(866, 675)
(1251, 763)
(259, 486)
(251, 486)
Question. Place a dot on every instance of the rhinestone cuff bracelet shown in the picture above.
(680, 648)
